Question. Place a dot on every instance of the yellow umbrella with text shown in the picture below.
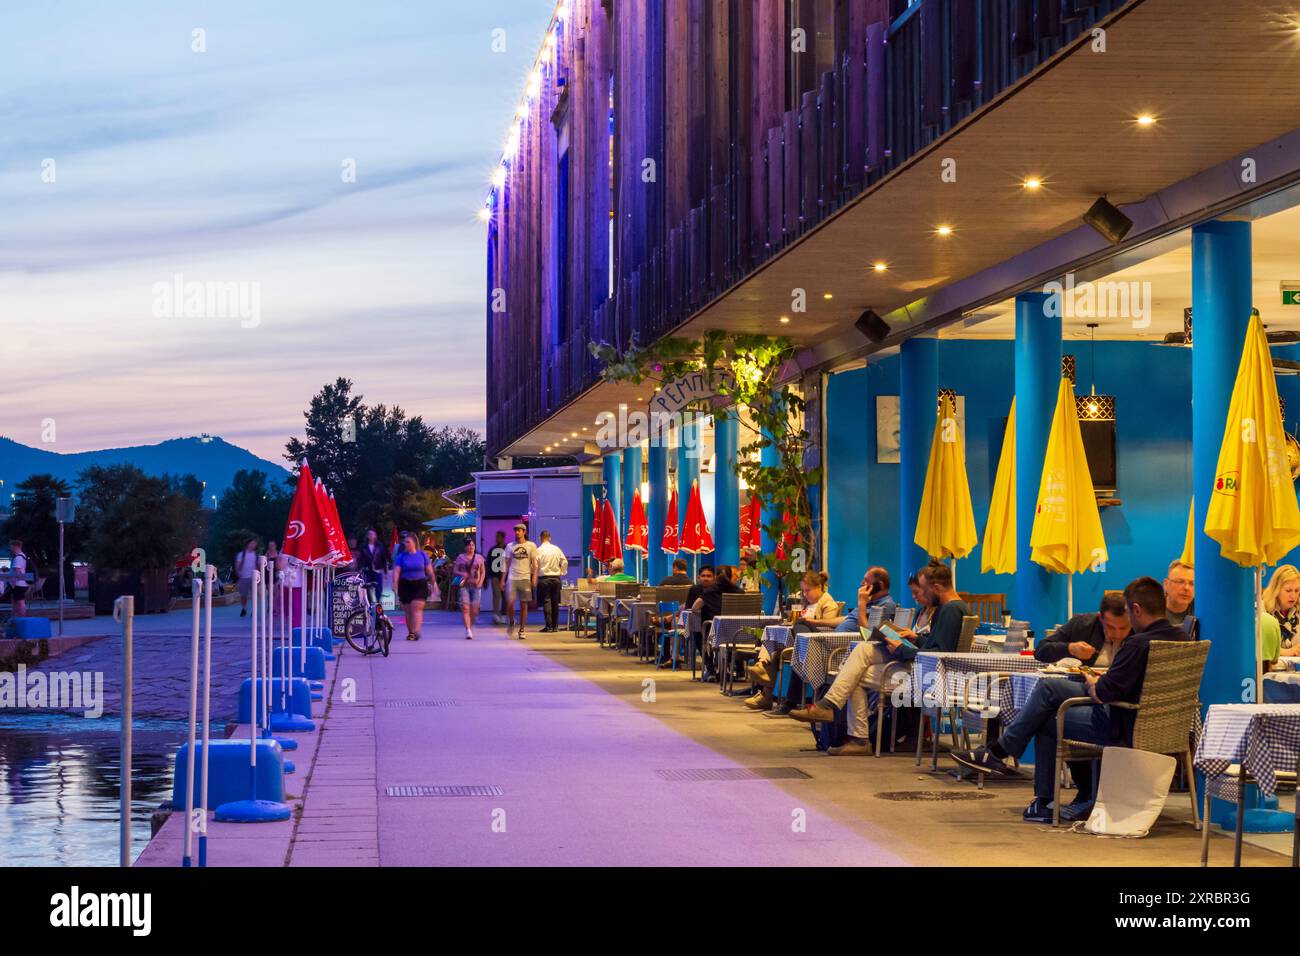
(945, 524)
(1188, 556)
(1253, 512)
(1067, 537)
(1000, 530)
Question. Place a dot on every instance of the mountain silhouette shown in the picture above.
(208, 459)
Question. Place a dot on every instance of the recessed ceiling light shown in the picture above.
(1033, 182)
(785, 320)
(1146, 119)
(880, 266)
(827, 296)
(485, 214)
(573, 434)
(944, 231)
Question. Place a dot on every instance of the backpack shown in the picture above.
(31, 568)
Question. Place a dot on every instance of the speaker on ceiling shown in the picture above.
(1108, 220)
(872, 326)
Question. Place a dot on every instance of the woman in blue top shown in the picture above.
(415, 584)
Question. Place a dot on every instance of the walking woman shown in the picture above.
(415, 584)
(245, 568)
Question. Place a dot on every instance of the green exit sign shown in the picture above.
(1291, 296)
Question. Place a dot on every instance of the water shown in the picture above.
(59, 786)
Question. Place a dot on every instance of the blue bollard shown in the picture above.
(315, 669)
(228, 778)
(299, 698)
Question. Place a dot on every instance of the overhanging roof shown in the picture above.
(1219, 78)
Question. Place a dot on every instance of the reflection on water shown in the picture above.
(59, 786)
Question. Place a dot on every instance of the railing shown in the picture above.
(915, 78)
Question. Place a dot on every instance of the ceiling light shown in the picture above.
(827, 296)
(573, 434)
(944, 231)
(1033, 182)
(499, 177)
(485, 214)
(1146, 119)
(785, 320)
(880, 266)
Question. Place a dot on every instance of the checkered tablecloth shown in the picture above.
(1014, 693)
(812, 654)
(776, 638)
(724, 629)
(1282, 687)
(640, 613)
(938, 676)
(1262, 738)
(578, 600)
(691, 622)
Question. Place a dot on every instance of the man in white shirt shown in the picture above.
(521, 578)
(551, 568)
(18, 582)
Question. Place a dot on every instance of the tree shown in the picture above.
(401, 503)
(132, 521)
(253, 506)
(32, 519)
(359, 451)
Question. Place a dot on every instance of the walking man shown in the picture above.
(470, 569)
(551, 568)
(373, 559)
(521, 579)
(497, 560)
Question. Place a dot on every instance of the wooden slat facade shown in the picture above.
(727, 145)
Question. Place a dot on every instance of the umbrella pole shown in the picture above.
(1069, 597)
(1259, 635)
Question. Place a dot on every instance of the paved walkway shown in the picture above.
(563, 755)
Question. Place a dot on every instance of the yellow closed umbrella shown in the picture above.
(1000, 529)
(1189, 546)
(1067, 537)
(945, 526)
(1253, 512)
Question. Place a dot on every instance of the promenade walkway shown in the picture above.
(566, 757)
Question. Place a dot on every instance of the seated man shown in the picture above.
(709, 606)
(702, 584)
(873, 593)
(1180, 597)
(1145, 600)
(679, 577)
(1092, 639)
(864, 669)
(616, 572)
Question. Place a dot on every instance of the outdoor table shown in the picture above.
(639, 615)
(725, 637)
(776, 638)
(1261, 739)
(939, 680)
(1014, 693)
(1282, 687)
(812, 654)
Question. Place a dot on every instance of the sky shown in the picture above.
(132, 163)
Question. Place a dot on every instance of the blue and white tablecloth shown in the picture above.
(939, 678)
(1261, 738)
(776, 638)
(725, 629)
(812, 654)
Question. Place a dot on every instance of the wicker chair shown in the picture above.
(623, 591)
(738, 604)
(1166, 712)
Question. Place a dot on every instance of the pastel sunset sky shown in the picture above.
(227, 166)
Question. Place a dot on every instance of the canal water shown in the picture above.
(59, 782)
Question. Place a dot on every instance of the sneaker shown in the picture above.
(1040, 811)
(813, 714)
(520, 635)
(780, 710)
(760, 701)
(1079, 810)
(981, 761)
(469, 635)
(757, 673)
(851, 748)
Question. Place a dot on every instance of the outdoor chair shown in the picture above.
(623, 590)
(665, 625)
(1166, 711)
(604, 589)
(645, 639)
(676, 595)
(742, 604)
(889, 679)
(966, 639)
(989, 608)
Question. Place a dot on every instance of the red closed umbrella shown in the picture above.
(608, 548)
(751, 524)
(638, 529)
(670, 543)
(305, 538)
(696, 538)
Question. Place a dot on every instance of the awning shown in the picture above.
(456, 522)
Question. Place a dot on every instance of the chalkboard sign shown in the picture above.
(345, 597)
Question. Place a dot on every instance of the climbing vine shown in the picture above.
(743, 369)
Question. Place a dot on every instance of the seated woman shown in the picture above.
(1282, 620)
(818, 607)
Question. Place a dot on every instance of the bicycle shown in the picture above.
(367, 628)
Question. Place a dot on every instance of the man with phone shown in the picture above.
(873, 593)
(864, 669)
(1036, 721)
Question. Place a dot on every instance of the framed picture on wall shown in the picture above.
(888, 438)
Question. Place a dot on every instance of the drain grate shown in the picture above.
(735, 773)
(421, 702)
(933, 796)
(445, 790)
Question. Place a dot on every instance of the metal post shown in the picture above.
(124, 614)
(62, 585)
(196, 595)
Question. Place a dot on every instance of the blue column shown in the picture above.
(688, 469)
(631, 482)
(657, 508)
(613, 464)
(770, 457)
(917, 409)
(1039, 595)
(726, 488)
(1221, 302)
